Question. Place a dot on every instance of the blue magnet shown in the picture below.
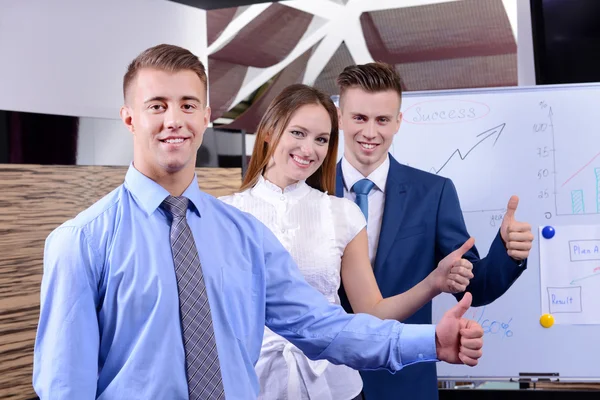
(548, 232)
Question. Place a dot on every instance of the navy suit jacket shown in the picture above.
(422, 223)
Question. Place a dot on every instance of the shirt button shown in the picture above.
(282, 198)
(283, 231)
(420, 356)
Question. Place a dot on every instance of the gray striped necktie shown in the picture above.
(202, 361)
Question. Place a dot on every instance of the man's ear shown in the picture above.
(339, 113)
(399, 121)
(127, 117)
(207, 112)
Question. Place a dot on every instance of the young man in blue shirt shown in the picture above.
(160, 291)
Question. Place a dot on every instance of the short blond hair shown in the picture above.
(164, 57)
(372, 77)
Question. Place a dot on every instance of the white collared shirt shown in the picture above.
(376, 198)
(315, 228)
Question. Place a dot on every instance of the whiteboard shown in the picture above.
(543, 144)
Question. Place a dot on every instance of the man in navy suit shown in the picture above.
(414, 218)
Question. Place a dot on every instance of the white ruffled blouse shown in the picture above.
(315, 228)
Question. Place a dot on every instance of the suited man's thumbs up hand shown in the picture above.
(459, 340)
(453, 273)
(516, 235)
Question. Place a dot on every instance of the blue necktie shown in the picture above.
(362, 189)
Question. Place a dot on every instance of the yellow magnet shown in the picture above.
(547, 320)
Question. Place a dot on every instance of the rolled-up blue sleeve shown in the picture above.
(302, 315)
(67, 340)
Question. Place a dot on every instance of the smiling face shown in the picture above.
(369, 121)
(167, 114)
(302, 147)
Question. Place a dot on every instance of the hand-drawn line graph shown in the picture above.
(577, 195)
(577, 186)
(497, 130)
(580, 170)
(483, 137)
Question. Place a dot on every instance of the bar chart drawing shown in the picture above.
(581, 192)
(577, 204)
(597, 172)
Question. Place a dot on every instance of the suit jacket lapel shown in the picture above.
(394, 208)
(339, 180)
(393, 212)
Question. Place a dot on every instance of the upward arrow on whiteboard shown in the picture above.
(483, 136)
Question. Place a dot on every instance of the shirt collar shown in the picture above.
(149, 194)
(379, 177)
(269, 191)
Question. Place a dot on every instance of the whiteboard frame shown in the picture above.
(501, 89)
(494, 90)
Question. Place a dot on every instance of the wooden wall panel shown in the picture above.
(33, 201)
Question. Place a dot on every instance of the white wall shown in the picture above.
(68, 57)
(104, 142)
(108, 142)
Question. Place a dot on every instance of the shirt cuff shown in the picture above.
(417, 344)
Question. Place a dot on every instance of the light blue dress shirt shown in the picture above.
(109, 323)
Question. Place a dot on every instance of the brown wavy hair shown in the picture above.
(272, 125)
